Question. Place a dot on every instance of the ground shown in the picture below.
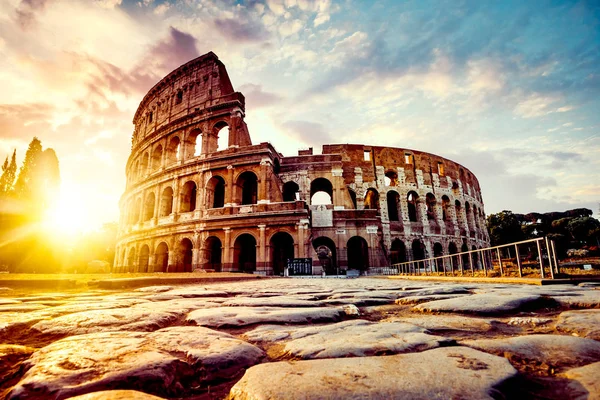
(321, 338)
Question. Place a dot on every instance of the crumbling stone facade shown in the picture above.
(191, 205)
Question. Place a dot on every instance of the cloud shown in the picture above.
(257, 98)
(177, 49)
(242, 30)
(307, 132)
(27, 11)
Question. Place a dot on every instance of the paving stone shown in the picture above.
(585, 299)
(552, 350)
(169, 362)
(268, 302)
(122, 319)
(447, 323)
(116, 395)
(588, 377)
(9, 301)
(180, 305)
(590, 284)
(437, 290)
(240, 316)
(493, 303)
(333, 340)
(585, 323)
(444, 373)
(531, 321)
(21, 307)
(154, 289)
(426, 298)
(195, 291)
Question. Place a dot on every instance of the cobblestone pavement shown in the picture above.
(303, 338)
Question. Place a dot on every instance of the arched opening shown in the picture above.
(438, 251)
(161, 257)
(418, 250)
(327, 254)
(157, 157)
(475, 258)
(468, 214)
(411, 201)
(166, 202)
(453, 250)
(445, 208)
(194, 143)
(372, 200)
(144, 165)
(476, 217)
(352, 194)
(213, 248)
(398, 252)
(458, 210)
(173, 150)
(144, 258)
(321, 191)
(184, 256)
(276, 166)
(188, 197)
(358, 253)
(136, 212)
(393, 203)
(131, 260)
(247, 184)
(465, 257)
(134, 173)
(244, 253)
(282, 248)
(391, 178)
(149, 206)
(291, 191)
(215, 192)
(431, 202)
(222, 132)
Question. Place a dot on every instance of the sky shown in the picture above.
(509, 89)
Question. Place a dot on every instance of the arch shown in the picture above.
(393, 204)
(214, 251)
(134, 173)
(188, 197)
(438, 251)
(372, 199)
(174, 150)
(244, 253)
(291, 191)
(398, 251)
(215, 192)
(184, 256)
(131, 260)
(431, 202)
(327, 254)
(221, 132)
(321, 191)
(157, 157)
(465, 257)
(418, 250)
(445, 208)
(282, 248)
(247, 184)
(193, 146)
(144, 165)
(475, 258)
(453, 250)
(352, 194)
(166, 202)
(144, 258)
(276, 166)
(161, 257)
(358, 253)
(149, 206)
(412, 199)
(476, 216)
(468, 213)
(391, 178)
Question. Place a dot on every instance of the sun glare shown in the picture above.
(67, 215)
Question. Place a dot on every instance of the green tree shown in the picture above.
(504, 227)
(583, 229)
(9, 171)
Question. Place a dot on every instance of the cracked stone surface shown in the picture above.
(173, 359)
(196, 341)
(446, 373)
(356, 338)
(116, 395)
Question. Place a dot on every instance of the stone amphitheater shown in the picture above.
(201, 196)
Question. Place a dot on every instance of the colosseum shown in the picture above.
(201, 196)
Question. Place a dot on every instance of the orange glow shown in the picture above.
(68, 214)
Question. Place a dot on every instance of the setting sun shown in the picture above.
(68, 214)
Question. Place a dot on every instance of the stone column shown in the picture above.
(338, 183)
(195, 256)
(151, 263)
(261, 258)
(263, 186)
(230, 189)
(227, 259)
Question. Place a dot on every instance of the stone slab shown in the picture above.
(169, 362)
(492, 303)
(444, 373)
(116, 395)
(585, 323)
(588, 377)
(447, 323)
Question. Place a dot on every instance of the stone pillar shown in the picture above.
(172, 259)
(227, 259)
(263, 185)
(338, 184)
(151, 262)
(195, 256)
(229, 193)
(261, 258)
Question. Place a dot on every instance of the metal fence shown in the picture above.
(534, 257)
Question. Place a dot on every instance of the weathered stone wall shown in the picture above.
(189, 204)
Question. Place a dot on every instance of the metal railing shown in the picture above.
(540, 257)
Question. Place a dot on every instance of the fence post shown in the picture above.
(484, 262)
(500, 262)
(462, 268)
(539, 249)
(471, 264)
(519, 261)
(555, 259)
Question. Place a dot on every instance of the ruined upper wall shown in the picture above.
(194, 87)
